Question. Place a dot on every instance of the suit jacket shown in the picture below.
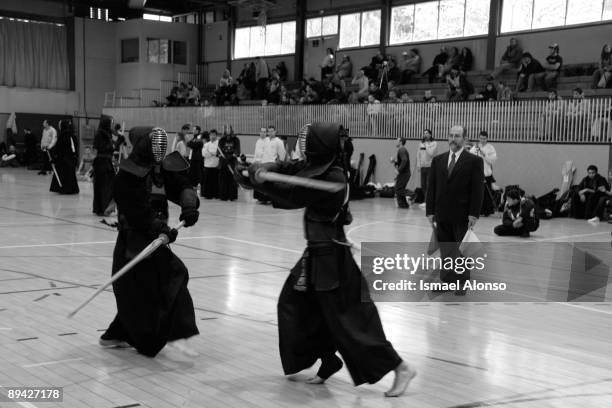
(452, 199)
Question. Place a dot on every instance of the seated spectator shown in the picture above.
(353, 97)
(405, 98)
(274, 95)
(466, 60)
(362, 81)
(409, 65)
(510, 60)
(552, 68)
(173, 98)
(9, 159)
(338, 95)
(344, 70)
(274, 74)
(372, 71)
(439, 60)
(392, 98)
(310, 96)
(603, 209)
(242, 93)
(328, 64)
(459, 88)
(376, 91)
(183, 92)
(282, 71)
(248, 78)
(394, 74)
(528, 67)
(427, 96)
(193, 95)
(518, 218)
(224, 91)
(452, 62)
(262, 73)
(602, 77)
(489, 93)
(504, 93)
(585, 199)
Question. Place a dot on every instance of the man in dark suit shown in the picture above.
(454, 197)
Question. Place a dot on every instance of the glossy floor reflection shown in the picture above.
(54, 252)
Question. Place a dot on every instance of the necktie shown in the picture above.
(451, 165)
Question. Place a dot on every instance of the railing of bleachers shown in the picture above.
(186, 77)
(202, 70)
(586, 121)
(148, 96)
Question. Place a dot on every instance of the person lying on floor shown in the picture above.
(518, 218)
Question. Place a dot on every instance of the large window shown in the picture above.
(157, 17)
(321, 26)
(436, 20)
(519, 15)
(257, 41)
(164, 51)
(360, 29)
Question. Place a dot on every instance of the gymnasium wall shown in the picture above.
(142, 74)
(535, 167)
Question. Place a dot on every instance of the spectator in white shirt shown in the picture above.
(47, 142)
(261, 146)
(427, 151)
(275, 149)
(486, 150)
(364, 84)
(210, 183)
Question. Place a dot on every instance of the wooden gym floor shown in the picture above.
(54, 253)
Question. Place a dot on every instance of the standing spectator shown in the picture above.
(518, 218)
(552, 68)
(47, 142)
(261, 74)
(180, 143)
(348, 148)
(373, 111)
(528, 67)
(438, 61)
(229, 151)
(454, 198)
(210, 184)
(553, 111)
(31, 148)
(196, 162)
(504, 93)
(394, 75)
(466, 60)
(372, 71)
(103, 171)
(328, 64)
(274, 150)
(603, 74)
(510, 60)
(409, 65)
(65, 159)
(344, 70)
(426, 153)
(11, 129)
(486, 151)
(261, 145)
(183, 93)
(274, 95)
(361, 80)
(402, 166)
(590, 190)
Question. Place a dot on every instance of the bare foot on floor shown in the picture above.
(403, 375)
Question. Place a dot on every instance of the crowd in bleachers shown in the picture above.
(388, 80)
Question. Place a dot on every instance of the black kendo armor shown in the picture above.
(147, 160)
(322, 148)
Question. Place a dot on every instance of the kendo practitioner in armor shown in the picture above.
(153, 303)
(320, 309)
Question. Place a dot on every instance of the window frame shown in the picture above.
(137, 53)
(321, 17)
(360, 12)
(565, 26)
(171, 53)
(250, 27)
(436, 40)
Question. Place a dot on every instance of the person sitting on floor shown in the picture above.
(519, 217)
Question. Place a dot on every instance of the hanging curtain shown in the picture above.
(33, 55)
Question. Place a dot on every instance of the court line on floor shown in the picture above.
(585, 308)
(572, 236)
(47, 363)
(89, 243)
